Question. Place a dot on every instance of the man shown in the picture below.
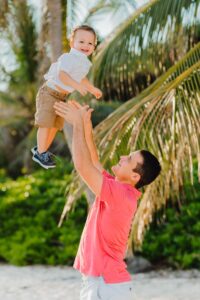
(105, 235)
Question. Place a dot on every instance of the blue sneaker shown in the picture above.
(44, 159)
(34, 149)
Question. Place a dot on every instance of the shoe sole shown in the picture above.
(45, 167)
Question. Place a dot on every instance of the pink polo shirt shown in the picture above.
(104, 239)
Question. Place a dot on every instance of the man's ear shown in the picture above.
(135, 177)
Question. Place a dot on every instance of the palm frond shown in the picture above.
(80, 11)
(154, 38)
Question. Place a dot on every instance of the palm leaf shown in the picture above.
(145, 46)
(81, 12)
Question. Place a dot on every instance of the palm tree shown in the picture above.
(154, 38)
(17, 103)
(164, 117)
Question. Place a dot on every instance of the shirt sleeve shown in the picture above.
(66, 63)
(107, 174)
(112, 191)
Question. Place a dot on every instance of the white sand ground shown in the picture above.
(63, 283)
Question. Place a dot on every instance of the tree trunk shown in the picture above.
(55, 28)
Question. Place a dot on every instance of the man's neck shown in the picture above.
(125, 181)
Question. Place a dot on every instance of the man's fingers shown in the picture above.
(90, 110)
(76, 104)
(61, 106)
(61, 114)
(72, 104)
(88, 114)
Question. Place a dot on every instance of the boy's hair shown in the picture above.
(149, 170)
(86, 28)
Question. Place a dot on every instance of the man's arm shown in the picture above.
(81, 155)
(91, 145)
(88, 130)
(82, 159)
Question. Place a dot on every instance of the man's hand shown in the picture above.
(86, 113)
(73, 112)
(67, 112)
(96, 92)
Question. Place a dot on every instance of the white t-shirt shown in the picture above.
(74, 63)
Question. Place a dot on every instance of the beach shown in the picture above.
(55, 283)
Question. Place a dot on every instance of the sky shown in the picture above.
(103, 27)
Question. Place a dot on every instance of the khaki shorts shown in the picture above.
(45, 115)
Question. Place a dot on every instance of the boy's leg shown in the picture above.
(51, 137)
(42, 139)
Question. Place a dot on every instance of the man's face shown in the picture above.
(123, 171)
(83, 41)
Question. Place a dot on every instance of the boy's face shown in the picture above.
(123, 171)
(83, 41)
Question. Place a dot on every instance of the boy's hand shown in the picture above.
(81, 89)
(96, 92)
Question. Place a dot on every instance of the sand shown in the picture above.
(56, 283)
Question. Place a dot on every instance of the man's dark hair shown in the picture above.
(148, 170)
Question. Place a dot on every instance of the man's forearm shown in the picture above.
(91, 146)
(80, 151)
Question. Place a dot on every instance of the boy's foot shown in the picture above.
(34, 150)
(44, 159)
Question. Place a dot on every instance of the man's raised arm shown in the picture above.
(88, 129)
(80, 151)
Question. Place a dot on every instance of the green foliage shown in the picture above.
(101, 110)
(30, 208)
(18, 101)
(176, 241)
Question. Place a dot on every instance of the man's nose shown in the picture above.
(123, 157)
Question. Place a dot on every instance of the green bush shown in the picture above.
(176, 241)
(102, 110)
(30, 208)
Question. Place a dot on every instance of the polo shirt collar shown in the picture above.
(132, 188)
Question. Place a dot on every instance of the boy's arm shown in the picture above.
(91, 88)
(87, 84)
(66, 79)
